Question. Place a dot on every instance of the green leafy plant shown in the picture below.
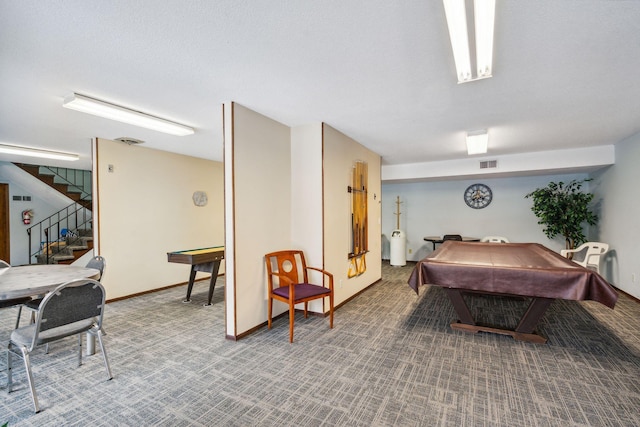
(562, 209)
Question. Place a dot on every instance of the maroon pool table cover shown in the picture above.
(525, 269)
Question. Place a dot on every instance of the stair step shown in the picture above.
(72, 191)
(77, 248)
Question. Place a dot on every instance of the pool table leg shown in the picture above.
(523, 332)
(534, 313)
(461, 308)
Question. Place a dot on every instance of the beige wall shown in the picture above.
(145, 209)
(340, 154)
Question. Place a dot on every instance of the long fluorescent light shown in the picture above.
(105, 109)
(456, 13)
(37, 152)
(484, 19)
(477, 142)
(484, 12)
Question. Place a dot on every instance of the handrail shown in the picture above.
(79, 185)
(72, 217)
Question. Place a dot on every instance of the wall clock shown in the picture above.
(478, 196)
(200, 198)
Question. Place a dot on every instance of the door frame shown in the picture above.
(5, 225)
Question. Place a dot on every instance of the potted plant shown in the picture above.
(562, 209)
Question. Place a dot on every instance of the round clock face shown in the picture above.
(200, 198)
(478, 196)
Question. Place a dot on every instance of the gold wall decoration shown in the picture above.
(359, 219)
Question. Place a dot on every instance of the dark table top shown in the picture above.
(438, 239)
(525, 269)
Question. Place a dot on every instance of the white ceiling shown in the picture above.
(380, 71)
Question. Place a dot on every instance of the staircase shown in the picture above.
(67, 234)
(65, 251)
(73, 183)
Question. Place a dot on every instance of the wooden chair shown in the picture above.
(593, 251)
(288, 280)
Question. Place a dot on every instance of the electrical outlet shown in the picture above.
(340, 284)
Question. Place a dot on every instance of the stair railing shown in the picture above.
(48, 231)
(74, 178)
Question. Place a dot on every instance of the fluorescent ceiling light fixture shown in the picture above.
(484, 12)
(477, 142)
(456, 13)
(37, 152)
(100, 108)
(484, 19)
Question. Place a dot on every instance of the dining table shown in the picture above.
(38, 279)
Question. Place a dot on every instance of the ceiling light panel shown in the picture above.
(477, 142)
(483, 29)
(107, 110)
(37, 152)
(456, 13)
(484, 13)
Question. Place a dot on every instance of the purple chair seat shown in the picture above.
(302, 291)
(287, 273)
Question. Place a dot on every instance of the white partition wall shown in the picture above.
(287, 188)
(307, 228)
(258, 210)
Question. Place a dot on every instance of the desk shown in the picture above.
(438, 239)
(520, 269)
(206, 260)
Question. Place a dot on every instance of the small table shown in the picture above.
(206, 260)
(520, 269)
(439, 239)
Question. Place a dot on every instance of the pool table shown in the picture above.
(515, 269)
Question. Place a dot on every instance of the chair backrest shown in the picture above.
(71, 302)
(494, 239)
(290, 264)
(594, 251)
(452, 237)
(99, 263)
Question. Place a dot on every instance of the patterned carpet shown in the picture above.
(391, 360)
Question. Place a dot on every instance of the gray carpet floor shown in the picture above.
(391, 359)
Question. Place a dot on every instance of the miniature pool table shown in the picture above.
(205, 259)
